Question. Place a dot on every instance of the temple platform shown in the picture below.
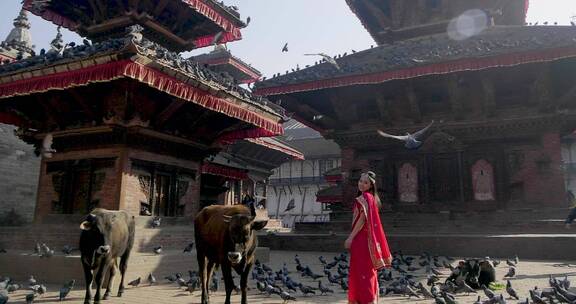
(19, 265)
(531, 246)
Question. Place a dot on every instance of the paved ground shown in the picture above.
(530, 274)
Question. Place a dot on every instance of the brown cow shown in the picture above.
(106, 235)
(225, 236)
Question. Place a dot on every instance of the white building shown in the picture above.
(292, 188)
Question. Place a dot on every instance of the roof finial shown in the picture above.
(19, 39)
(57, 43)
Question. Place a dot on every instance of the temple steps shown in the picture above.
(527, 246)
(500, 221)
(56, 236)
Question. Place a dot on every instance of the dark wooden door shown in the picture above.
(161, 202)
(443, 178)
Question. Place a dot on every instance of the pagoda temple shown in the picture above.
(124, 121)
(222, 60)
(244, 166)
(501, 95)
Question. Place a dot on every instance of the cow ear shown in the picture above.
(86, 226)
(259, 225)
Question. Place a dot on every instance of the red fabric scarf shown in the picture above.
(377, 243)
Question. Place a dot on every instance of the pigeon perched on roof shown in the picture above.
(410, 140)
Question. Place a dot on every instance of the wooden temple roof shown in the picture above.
(177, 24)
(332, 194)
(148, 63)
(222, 60)
(250, 158)
(435, 54)
(400, 19)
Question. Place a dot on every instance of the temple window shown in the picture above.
(408, 183)
(77, 184)
(483, 181)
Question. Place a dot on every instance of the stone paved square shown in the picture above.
(529, 274)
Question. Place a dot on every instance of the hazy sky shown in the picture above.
(307, 25)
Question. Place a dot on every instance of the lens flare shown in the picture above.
(468, 24)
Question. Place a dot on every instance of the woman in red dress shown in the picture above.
(367, 244)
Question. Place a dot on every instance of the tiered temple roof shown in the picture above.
(393, 20)
(429, 55)
(221, 60)
(146, 62)
(178, 25)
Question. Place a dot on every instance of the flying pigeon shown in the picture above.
(291, 205)
(158, 250)
(285, 48)
(248, 20)
(410, 140)
(328, 59)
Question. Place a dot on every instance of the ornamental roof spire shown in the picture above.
(19, 41)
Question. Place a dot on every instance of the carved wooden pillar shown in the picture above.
(455, 96)
(384, 109)
(541, 95)
(413, 102)
(489, 97)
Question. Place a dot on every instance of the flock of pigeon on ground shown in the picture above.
(404, 278)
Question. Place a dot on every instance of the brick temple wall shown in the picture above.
(537, 180)
(107, 195)
(19, 169)
(132, 193)
(540, 175)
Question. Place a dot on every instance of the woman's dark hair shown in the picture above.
(374, 189)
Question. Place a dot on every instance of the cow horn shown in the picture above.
(91, 217)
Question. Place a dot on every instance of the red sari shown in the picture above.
(368, 251)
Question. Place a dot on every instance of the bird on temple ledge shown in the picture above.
(410, 140)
